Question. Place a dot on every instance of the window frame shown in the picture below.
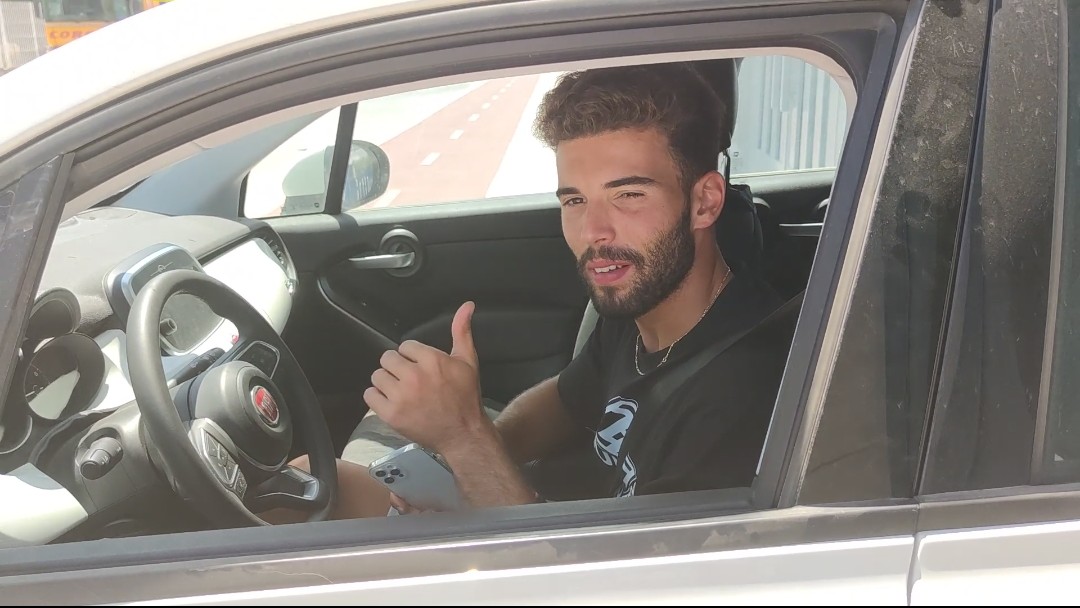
(855, 238)
(335, 186)
(1068, 77)
(814, 61)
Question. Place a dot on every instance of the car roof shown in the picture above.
(155, 45)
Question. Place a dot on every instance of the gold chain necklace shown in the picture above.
(638, 341)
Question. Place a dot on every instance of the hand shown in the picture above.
(428, 396)
(404, 508)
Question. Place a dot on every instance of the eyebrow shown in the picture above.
(632, 180)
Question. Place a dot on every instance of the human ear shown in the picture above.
(707, 200)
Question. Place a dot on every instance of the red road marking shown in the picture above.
(465, 167)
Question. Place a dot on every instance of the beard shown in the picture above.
(658, 272)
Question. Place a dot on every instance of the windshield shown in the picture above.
(87, 10)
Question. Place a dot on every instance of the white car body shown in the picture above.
(855, 552)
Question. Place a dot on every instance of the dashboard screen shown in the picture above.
(186, 320)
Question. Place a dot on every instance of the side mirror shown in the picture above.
(367, 175)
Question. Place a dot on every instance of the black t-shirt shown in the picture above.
(707, 433)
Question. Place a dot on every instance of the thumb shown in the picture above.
(461, 331)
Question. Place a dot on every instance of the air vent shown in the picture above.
(275, 244)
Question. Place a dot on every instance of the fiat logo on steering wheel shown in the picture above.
(266, 405)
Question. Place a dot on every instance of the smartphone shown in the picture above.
(418, 476)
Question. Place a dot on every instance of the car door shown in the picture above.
(808, 530)
(998, 514)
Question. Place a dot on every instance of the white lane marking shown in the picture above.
(457, 134)
(430, 158)
(527, 164)
(485, 106)
(474, 118)
(383, 201)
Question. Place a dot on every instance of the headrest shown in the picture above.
(738, 230)
(723, 76)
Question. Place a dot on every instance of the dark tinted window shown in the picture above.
(1058, 456)
(988, 399)
(869, 436)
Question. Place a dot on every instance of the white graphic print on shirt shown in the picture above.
(618, 416)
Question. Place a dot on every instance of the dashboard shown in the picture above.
(73, 358)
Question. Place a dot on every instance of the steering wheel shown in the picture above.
(223, 439)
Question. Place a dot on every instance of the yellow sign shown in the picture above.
(60, 33)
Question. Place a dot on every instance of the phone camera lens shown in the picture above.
(389, 480)
(395, 472)
(380, 473)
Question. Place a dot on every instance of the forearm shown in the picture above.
(485, 473)
(535, 423)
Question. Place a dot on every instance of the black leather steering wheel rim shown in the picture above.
(167, 434)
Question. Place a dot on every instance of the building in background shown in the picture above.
(22, 33)
(792, 117)
(66, 20)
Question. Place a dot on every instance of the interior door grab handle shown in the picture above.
(384, 261)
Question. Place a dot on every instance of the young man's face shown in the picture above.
(626, 217)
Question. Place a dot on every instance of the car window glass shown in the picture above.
(867, 443)
(292, 180)
(474, 141)
(1060, 453)
(992, 388)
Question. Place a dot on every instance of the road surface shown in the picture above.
(449, 143)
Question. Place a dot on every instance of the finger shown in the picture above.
(376, 399)
(461, 331)
(393, 362)
(385, 382)
(400, 504)
(419, 352)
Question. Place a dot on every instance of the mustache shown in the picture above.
(610, 252)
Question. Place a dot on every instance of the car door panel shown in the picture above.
(528, 299)
(706, 550)
(1035, 564)
(870, 572)
(512, 262)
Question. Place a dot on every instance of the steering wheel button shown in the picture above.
(220, 472)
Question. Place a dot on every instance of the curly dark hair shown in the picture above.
(671, 97)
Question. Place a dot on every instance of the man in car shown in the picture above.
(636, 150)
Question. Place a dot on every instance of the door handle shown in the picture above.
(384, 261)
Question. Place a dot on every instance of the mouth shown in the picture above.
(605, 272)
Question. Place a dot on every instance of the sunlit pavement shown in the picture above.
(448, 143)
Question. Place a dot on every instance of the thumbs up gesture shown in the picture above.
(431, 397)
(461, 332)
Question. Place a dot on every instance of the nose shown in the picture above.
(596, 226)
